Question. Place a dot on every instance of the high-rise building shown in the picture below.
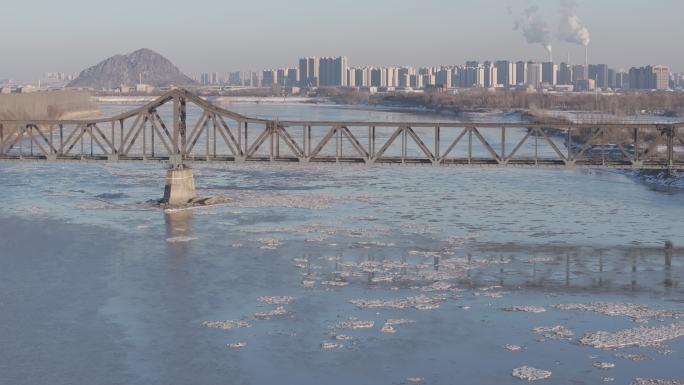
(416, 81)
(621, 80)
(404, 75)
(313, 69)
(599, 72)
(610, 83)
(444, 77)
(521, 73)
(362, 77)
(269, 78)
(292, 77)
(351, 77)
(392, 76)
(235, 79)
(205, 79)
(649, 77)
(505, 73)
(214, 78)
(534, 75)
(549, 73)
(661, 77)
(676, 81)
(281, 74)
(602, 76)
(378, 77)
(303, 72)
(333, 71)
(578, 73)
(564, 74)
(255, 81)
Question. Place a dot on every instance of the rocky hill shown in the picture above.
(126, 69)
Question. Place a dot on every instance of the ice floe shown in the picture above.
(603, 365)
(353, 324)
(277, 300)
(180, 239)
(640, 336)
(558, 332)
(226, 325)
(635, 311)
(530, 374)
(525, 309)
(343, 337)
(267, 315)
(651, 381)
(513, 348)
(331, 345)
(421, 302)
(399, 321)
(269, 243)
(632, 357)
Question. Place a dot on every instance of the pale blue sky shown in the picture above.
(211, 35)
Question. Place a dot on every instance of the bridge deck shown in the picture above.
(161, 131)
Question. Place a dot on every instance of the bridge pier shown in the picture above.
(180, 186)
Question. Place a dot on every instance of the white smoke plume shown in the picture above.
(534, 28)
(571, 28)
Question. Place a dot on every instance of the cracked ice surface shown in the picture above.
(641, 336)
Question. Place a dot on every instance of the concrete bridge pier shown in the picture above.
(180, 186)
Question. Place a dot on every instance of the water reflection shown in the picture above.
(179, 233)
(571, 269)
(668, 264)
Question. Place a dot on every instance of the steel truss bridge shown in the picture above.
(163, 131)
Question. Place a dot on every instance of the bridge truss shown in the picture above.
(165, 131)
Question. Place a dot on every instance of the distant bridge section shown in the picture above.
(180, 127)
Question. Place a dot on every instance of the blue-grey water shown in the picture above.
(98, 286)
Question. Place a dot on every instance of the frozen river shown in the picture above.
(337, 275)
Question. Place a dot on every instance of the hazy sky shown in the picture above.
(223, 35)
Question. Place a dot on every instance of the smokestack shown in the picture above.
(586, 61)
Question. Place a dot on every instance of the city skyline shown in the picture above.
(506, 74)
(269, 33)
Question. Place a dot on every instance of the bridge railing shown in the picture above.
(181, 127)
